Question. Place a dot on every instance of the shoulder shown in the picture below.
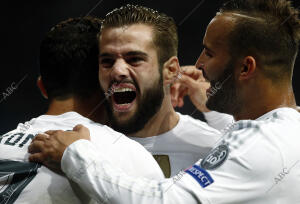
(273, 132)
(253, 153)
(189, 123)
(193, 131)
(280, 120)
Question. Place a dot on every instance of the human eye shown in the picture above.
(106, 62)
(207, 53)
(134, 61)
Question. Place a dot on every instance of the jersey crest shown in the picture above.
(164, 163)
(215, 158)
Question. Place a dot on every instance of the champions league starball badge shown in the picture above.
(216, 158)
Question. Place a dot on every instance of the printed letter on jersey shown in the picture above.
(201, 175)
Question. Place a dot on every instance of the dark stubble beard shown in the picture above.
(148, 106)
(225, 99)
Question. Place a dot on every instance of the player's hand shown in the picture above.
(191, 83)
(48, 148)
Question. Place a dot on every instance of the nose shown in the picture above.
(120, 70)
(200, 61)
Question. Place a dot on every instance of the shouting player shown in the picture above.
(137, 64)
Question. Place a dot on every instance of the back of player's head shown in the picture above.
(164, 27)
(268, 30)
(69, 58)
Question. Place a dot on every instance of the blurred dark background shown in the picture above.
(24, 23)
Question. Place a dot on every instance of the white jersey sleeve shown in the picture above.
(131, 156)
(257, 162)
(219, 121)
(103, 181)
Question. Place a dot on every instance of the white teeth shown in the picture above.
(122, 90)
(124, 104)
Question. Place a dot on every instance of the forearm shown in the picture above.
(98, 178)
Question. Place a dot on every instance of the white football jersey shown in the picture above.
(181, 146)
(219, 121)
(25, 182)
(256, 162)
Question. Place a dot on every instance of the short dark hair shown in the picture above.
(69, 58)
(165, 30)
(270, 31)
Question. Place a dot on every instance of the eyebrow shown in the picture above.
(106, 55)
(132, 53)
(128, 54)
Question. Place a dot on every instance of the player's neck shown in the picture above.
(266, 100)
(90, 108)
(163, 121)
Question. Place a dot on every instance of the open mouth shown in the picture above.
(124, 96)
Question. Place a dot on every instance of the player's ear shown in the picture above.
(171, 70)
(248, 68)
(40, 84)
